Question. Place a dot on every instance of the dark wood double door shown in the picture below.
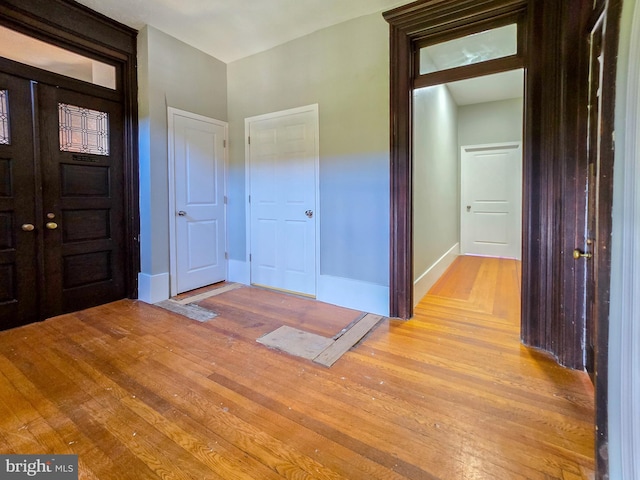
(61, 201)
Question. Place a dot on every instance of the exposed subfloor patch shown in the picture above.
(322, 350)
(296, 342)
(194, 312)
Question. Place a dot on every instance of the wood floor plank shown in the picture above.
(142, 393)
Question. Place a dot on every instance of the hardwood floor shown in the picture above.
(141, 393)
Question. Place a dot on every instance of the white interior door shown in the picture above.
(283, 158)
(491, 200)
(198, 147)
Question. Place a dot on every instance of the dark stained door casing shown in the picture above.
(73, 258)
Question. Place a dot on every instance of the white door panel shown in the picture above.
(283, 158)
(200, 238)
(491, 205)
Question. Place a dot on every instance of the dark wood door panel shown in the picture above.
(83, 194)
(18, 247)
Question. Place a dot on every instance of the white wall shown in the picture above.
(436, 190)
(170, 73)
(624, 317)
(345, 70)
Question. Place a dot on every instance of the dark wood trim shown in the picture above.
(424, 20)
(72, 26)
(603, 257)
(469, 71)
(401, 215)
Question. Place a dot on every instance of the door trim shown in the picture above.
(409, 26)
(173, 262)
(247, 152)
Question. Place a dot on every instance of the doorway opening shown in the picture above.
(467, 181)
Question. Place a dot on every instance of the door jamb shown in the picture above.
(173, 258)
(247, 155)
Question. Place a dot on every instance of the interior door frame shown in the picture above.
(74, 27)
(412, 26)
(553, 178)
(173, 254)
(247, 155)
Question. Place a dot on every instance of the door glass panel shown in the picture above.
(5, 139)
(30, 51)
(83, 130)
(478, 47)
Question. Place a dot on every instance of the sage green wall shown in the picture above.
(170, 74)
(490, 122)
(435, 176)
(345, 70)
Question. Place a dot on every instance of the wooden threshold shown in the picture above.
(142, 393)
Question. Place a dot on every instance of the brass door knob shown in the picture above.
(51, 225)
(578, 254)
(28, 227)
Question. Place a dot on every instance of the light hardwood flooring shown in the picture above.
(141, 393)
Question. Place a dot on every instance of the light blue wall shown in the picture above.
(624, 318)
(170, 74)
(345, 70)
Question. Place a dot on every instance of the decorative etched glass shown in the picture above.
(83, 130)
(480, 47)
(5, 139)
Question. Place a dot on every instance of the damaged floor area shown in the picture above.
(139, 392)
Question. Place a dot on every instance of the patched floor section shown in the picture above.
(322, 350)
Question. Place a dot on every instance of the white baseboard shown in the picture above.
(239, 272)
(349, 293)
(153, 288)
(424, 283)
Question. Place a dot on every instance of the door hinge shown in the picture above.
(249, 140)
(226, 255)
(250, 257)
(224, 144)
(225, 200)
(249, 198)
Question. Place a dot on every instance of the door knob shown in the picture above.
(182, 213)
(51, 225)
(578, 254)
(309, 213)
(28, 227)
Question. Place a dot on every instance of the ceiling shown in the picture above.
(232, 29)
(219, 28)
(490, 88)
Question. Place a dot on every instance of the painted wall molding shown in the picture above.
(153, 288)
(424, 283)
(356, 294)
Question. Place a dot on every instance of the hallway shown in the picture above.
(140, 392)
